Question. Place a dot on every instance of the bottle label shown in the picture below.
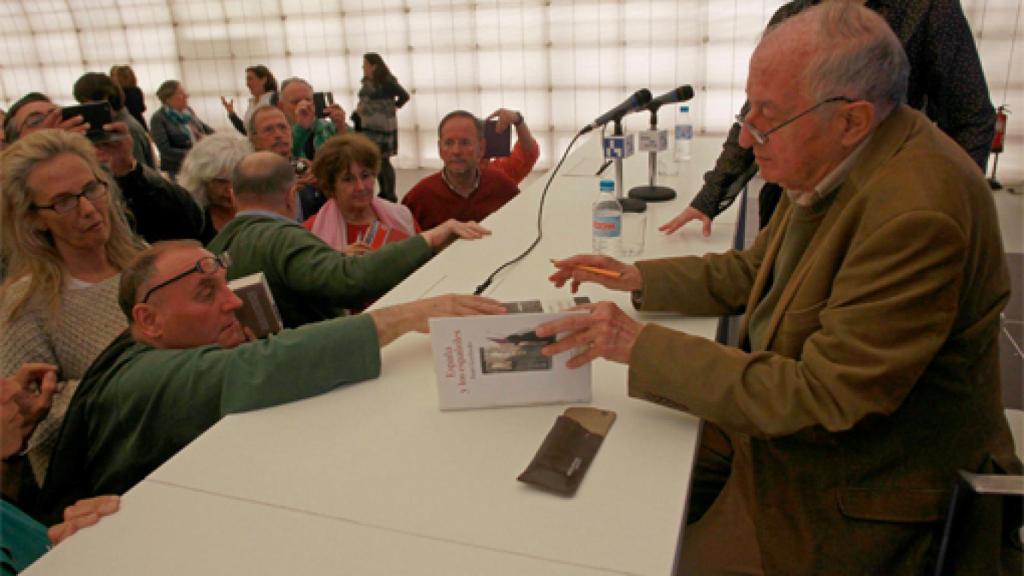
(684, 132)
(608, 226)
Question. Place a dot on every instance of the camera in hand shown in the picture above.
(496, 144)
(321, 100)
(96, 115)
(301, 166)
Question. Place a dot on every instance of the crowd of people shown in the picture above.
(120, 245)
(866, 372)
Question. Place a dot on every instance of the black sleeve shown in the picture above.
(401, 96)
(237, 123)
(735, 165)
(957, 93)
(159, 208)
(733, 169)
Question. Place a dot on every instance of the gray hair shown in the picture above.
(212, 156)
(166, 90)
(857, 56)
(264, 176)
(293, 80)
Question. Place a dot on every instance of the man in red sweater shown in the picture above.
(462, 190)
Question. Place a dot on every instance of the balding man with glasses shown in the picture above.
(186, 361)
(868, 370)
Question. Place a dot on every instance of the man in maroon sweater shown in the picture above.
(462, 190)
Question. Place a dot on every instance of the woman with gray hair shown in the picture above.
(206, 174)
(175, 127)
(66, 237)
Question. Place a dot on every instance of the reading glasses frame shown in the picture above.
(762, 137)
(205, 265)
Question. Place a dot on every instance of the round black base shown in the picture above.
(992, 183)
(652, 193)
(632, 205)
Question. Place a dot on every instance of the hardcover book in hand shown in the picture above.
(259, 311)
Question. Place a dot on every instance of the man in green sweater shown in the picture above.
(184, 363)
(310, 280)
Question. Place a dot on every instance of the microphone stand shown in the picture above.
(652, 192)
(623, 199)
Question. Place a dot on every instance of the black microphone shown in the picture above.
(635, 102)
(681, 94)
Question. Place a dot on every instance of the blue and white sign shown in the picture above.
(618, 147)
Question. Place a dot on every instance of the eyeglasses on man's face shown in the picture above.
(205, 265)
(94, 191)
(762, 137)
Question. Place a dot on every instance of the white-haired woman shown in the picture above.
(206, 174)
(65, 235)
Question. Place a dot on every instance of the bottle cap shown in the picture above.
(608, 185)
(684, 108)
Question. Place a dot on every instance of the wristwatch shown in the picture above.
(518, 120)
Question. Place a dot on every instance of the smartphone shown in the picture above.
(96, 115)
(497, 145)
(321, 100)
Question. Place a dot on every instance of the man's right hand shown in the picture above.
(685, 216)
(618, 276)
(393, 321)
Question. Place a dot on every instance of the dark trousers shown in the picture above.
(386, 180)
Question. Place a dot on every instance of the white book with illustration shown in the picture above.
(487, 361)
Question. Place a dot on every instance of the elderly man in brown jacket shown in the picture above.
(869, 373)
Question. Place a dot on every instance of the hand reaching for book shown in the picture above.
(446, 233)
(393, 321)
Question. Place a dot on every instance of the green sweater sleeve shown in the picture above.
(211, 382)
(314, 270)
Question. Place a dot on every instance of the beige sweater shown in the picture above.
(88, 320)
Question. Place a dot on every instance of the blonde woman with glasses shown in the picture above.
(66, 240)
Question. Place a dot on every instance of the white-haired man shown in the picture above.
(869, 373)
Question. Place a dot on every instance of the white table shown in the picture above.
(373, 478)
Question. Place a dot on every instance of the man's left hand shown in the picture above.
(607, 332)
(505, 119)
(337, 115)
(443, 234)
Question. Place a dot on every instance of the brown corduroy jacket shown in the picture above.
(881, 375)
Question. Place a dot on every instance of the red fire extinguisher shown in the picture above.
(997, 145)
(997, 141)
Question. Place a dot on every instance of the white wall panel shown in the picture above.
(561, 62)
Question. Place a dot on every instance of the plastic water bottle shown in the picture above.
(607, 223)
(684, 135)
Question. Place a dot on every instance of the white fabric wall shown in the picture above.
(561, 62)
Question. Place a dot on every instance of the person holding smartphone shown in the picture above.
(519, 162)
(376, 116)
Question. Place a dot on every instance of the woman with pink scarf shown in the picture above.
(354, 220)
